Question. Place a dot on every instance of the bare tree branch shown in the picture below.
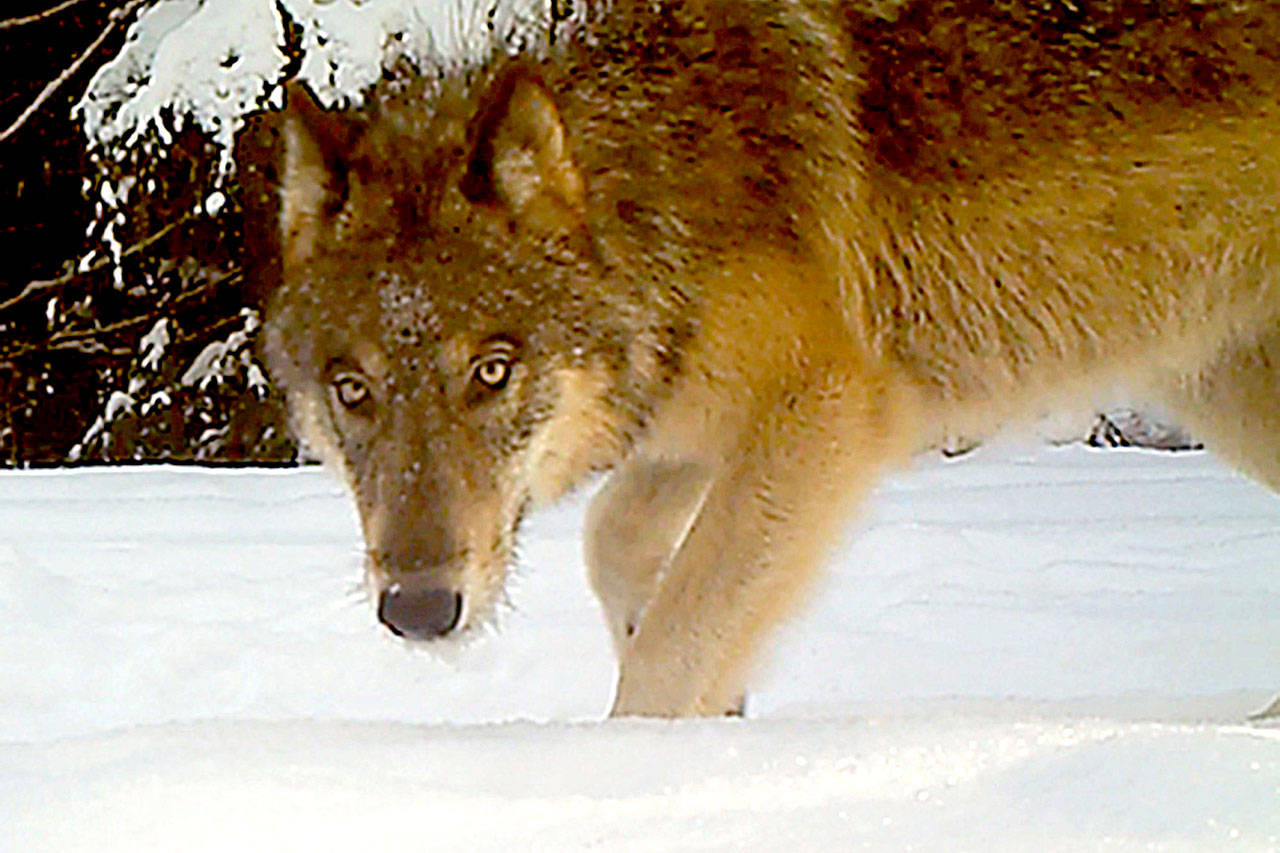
(231, 276)
(86, 340)
(38, 16)
(49, 284)
(117, 15)
(59, 340)
(210, 330)
(64, 340)
(92, 347)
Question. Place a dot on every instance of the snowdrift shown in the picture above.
(1017, 649)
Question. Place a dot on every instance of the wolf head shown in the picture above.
(449, 331)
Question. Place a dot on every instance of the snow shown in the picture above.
(153, 344)
(1050, 648)
(213, 61)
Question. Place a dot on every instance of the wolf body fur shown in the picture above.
(745, 257)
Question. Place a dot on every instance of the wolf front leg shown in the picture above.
(634, 525)
(785, 486)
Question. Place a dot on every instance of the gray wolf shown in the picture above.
(745, 256)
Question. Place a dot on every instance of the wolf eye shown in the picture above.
(493, 372)
(350, 390)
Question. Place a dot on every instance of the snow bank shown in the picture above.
(1015, 649)
(950, 782)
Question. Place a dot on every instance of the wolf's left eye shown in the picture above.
(493, 372)
(350, 390)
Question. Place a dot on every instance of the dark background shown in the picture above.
(74, 339)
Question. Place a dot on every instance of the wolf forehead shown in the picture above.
(407, 149)
(402, 312)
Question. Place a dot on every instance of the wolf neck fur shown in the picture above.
(1129, 161)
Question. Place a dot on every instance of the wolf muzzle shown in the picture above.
(419, 613)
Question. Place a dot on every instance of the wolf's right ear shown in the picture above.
(314, 175)
(521, 156)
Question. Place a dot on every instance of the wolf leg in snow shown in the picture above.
(765, 522)
(633, 527)
(1233, 403)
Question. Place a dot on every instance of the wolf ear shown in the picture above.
(520, 153)
(314, 174)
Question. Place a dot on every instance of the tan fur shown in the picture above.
(581, 439)
(748, 256)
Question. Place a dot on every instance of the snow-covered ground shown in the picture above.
(1023, 649)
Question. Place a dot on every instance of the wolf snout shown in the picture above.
(419, 613)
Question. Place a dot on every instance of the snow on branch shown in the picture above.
(217, 60)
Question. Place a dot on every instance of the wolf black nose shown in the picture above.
(419, 614)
